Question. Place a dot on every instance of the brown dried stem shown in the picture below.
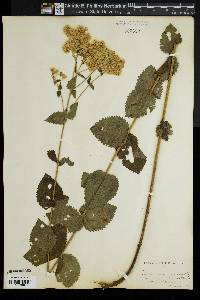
(59, 150)
(151, 188)
(106, 172)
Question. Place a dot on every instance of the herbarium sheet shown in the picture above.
(98, 152)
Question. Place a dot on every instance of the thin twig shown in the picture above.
(84, 80)
(87, 87)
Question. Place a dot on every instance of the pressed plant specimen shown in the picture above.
(92, 60)
(147, 89)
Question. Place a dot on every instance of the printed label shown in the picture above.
(21, 281)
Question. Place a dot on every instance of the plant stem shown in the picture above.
(151, 188)
(56, 262)
(84, 70)
(58, 154)
(58, 158)
(87, 87)
(106, 172)
(84, 79)
(117, 151)
(114, 156)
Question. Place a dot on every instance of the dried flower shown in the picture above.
(78, 40)
(54, 70)
(96, 55)
(57, 75)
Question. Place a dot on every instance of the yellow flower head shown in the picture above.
(96, 55)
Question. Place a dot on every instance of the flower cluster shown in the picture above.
(57, 75)
(95, 54)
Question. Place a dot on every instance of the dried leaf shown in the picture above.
(68, 270)
(42, 236)
(67, 216)
(52, 155)
(163, 71)
(139, 158)
(45, 192)
(58, 117)
(143, 97)
(84, 178)
(38, 256)
(81, 75)
(99, 188)
(72, 111)
(164, 129)
(61, 238)
(73, 92)
(111, 131)
(71, 85)
(98, 217)
(58, 93)
(60, 86)
(67, 161)
(100, 71)
(90, 83)
(170, 39)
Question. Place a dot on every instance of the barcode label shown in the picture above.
(59, 9)
(22, 282)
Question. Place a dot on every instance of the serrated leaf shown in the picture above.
(164, 129)
(163, 71)
(42, 236)
(38, 256)
(72, 111)
(45, 192)
(68, 270)
(143, 97)
(98, 217)
(61, 238)
(67, 161)
(71, 85)
(139, 158)
(84, 178)
(67, 216)
(111, 131)
(58, 117)
(52, 155)
(99, 188)
(170, 39)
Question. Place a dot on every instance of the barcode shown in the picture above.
(59, 9)
(21, 282)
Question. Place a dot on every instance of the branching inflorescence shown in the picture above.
(92, 59)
